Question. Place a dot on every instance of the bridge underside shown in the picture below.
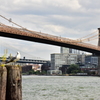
(33, 39)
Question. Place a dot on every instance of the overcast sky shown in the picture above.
(66, 18)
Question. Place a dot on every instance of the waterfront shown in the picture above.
(61, 88)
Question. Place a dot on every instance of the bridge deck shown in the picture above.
(26, 34)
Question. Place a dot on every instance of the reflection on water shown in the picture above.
(61, 88)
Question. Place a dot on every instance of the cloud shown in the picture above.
(90, 4)
(39, 7)
(28, 49)
(65, 18)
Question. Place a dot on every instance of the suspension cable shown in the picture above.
(89, 38)
(89, 34)
(11, 21)
(79, 40)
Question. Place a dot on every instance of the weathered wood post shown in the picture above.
(14, 83)
(99, 55)
(3, 78)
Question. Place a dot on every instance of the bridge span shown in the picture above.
(25, 34)
(31, 61)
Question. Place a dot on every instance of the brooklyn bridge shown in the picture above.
(29, 35)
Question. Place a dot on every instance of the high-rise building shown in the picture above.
(58, 59)
(67, 56)
(68, 50)
(91, 60)
(64, 50)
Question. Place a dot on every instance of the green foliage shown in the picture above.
(0, 57)
(35, 73)
(73, 69)
(43, 73)
(31, 72)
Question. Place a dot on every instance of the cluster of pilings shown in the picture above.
(10, 83)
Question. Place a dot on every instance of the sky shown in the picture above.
(66, 18)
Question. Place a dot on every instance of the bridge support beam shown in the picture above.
(99, 55)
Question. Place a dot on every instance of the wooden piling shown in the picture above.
(3, 78)
(14, 83)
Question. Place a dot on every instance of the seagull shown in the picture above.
(14, 59)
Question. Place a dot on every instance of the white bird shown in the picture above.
(14, 59)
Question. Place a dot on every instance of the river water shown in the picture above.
(61, 88)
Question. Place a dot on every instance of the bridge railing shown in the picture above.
(71, 41)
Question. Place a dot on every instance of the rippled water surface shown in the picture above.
(61, 88)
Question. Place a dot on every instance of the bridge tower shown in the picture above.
(99, 55)
(98, 36)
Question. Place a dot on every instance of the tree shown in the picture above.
(73, 69)
(31, 72)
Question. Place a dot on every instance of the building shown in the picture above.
(67, 56)
(58, 59)
(91, 61)
(26, 68)
(36, 67)
(54, 72)
(81, 58)
(91, 65)
(65, 50)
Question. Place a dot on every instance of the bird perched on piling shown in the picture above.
(14, 59)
